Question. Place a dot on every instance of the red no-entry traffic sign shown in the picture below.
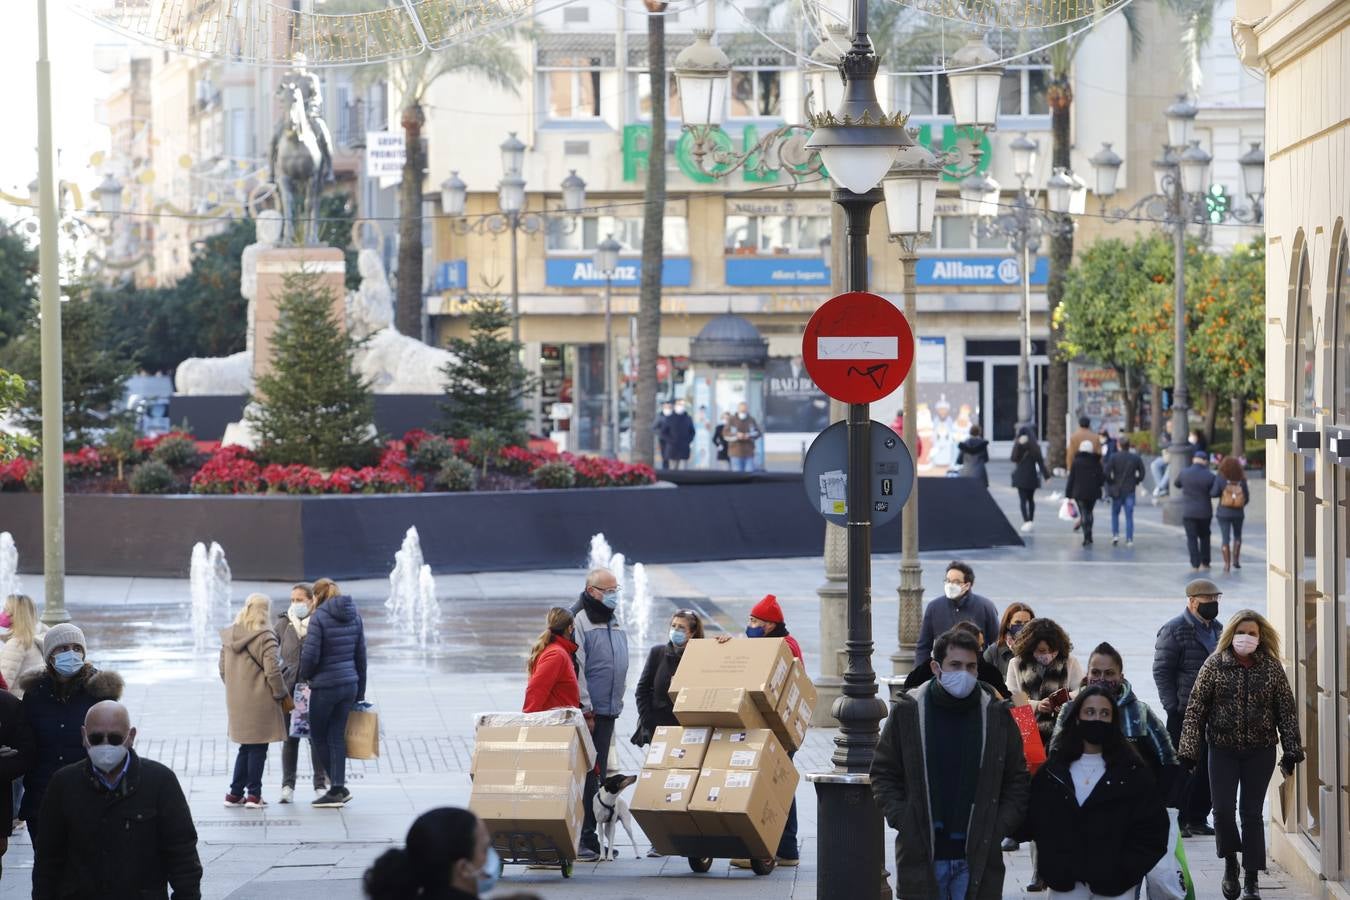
(858, 347)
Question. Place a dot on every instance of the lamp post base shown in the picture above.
(850, 839)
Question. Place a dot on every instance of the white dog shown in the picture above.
(609, 808)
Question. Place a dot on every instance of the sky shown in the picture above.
(76, 88)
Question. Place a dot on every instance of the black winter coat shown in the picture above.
(1177, 658)
(1086, 478)
(1197, 485)
(15, 734)
(1028, 465)
(972, 456)
(1124, 472)
(136, 841)
(677, 431)
(55, 712)
(1110, 842)
(653, 692)
(334, 651)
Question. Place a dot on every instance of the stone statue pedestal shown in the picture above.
(274, 264)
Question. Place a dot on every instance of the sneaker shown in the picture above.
(586, 854)
(1009, 845)
(1027, 527)
(1115, 539)
(789, 861)
(1129, 543)
(233, 800)
(334, 799)
(654, 854)
(287, 794)
(254, 802)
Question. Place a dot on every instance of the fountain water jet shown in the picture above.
(9, 566)
(209, 578)
(642, 604)
(412, 602)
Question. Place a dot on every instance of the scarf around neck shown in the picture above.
(300, 625)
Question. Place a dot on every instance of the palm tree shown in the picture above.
(653, 243)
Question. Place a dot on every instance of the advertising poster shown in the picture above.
(1096, 394)
(946, 411)
(792, 402)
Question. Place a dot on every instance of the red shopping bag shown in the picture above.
(1032, 747)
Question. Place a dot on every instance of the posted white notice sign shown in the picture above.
(385, 154)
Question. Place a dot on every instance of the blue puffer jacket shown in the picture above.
(1177, 658)
(55, 711)
(602, 655)
(334, 652)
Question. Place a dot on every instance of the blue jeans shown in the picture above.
(953, 878)
(248, 770)
(742, 464)
(1162, 478)
(328, 710)
(1126, 503)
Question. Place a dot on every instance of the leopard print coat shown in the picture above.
(1240, 708)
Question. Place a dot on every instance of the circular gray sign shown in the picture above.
(825, 474)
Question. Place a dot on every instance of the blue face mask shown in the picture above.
(754, 631)
(678, 637)
(488, 875)
(610, 599)
(68, 663)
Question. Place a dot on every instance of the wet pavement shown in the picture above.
(427, 696)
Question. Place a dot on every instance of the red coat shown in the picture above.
(553, 683)
(794, 646)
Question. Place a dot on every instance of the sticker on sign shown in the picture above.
(857, 347)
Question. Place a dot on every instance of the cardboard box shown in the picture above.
(554, 748)
(718, 707)
(676, 747)
(792, 719)
(660, 804)
(759, 665)
(742, 749)
(751, 806)
(545, 804)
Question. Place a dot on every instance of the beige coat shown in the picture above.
(253, 685)
(16, 659)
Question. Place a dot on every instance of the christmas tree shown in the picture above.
(312, 407)
(486, 382)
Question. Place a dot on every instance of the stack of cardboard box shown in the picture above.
(528, 780)
(722, 782)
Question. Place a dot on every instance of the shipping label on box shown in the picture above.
(744, 749)
(530, 803)
(660, 805)
(792, 719)
(536, 748)
(750, 806)
(759, 665)
(718, 707)
(677, 747)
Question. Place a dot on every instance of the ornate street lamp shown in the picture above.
(825, 83)
(513, 156)
(1106, 168)
(702, 75)
(606, 263)
(454, 195)
(975, 84)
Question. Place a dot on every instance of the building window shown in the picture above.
(923, 95)
(627, 230)
(951, 232)
(775, 235)
(1305, 350)
(572, 90)
(756, 93)
(1021, 93)
(1340, 302)
(642, 89)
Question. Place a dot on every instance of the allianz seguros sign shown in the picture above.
(576, 271)
(982, 271)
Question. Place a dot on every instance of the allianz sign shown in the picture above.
(564, 271)
(946, 271)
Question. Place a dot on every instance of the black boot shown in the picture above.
(1250, 891)
(1230, 877)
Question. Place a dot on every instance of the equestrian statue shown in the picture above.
(301, 158)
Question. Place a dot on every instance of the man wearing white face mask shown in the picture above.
(291, 627)
(950, 777)
(961, 604)
(115, 822)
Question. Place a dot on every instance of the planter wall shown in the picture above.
(283, 538)
(395, 414)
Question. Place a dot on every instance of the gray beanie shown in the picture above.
(59, 636)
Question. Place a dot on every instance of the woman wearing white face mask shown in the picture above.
(292, 626)
(448, 856)
(1243, 702)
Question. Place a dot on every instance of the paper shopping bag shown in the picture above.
(1032, 747)
(363, 734)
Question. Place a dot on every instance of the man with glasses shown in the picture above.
(602, 661)
(960, 604)
(115, 823)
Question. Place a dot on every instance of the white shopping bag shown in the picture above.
(1164, 880)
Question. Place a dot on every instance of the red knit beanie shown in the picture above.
(768, 610)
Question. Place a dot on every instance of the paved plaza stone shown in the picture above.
(427, 697)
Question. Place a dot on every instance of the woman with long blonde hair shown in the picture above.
(1243, 703)
(254, 689)
(553, 666)
(21, 652)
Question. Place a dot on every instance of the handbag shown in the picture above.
(300, 710)
(1033, 748)
(363, 732)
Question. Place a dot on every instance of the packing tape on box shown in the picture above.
(520, 787)
(524, 745)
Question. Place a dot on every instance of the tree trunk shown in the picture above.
(653, 247)
(408, 315)
(1211, 414)
(1155, 415)
(1130, 391)
(1061, 257)
(1239, 413)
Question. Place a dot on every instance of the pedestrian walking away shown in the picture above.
(1014, 619)
(662, 436)
(552, 667)
(987, 672)
(741, 435)
(1095, 813)
(1183, 645)
(973, 456)
(55, 700)
(1081, 434)
(17, 752)
(1197, 484)
(291, 628)
(115, 824)
(1231, 488)
(333, 661)
(1086, 480)
(1124, 473)
(950, 777)
(254, 689)
(448, 855)
(602, 655)
(1242, 700)
(1029, 471)
(678, 430)
(960, 603)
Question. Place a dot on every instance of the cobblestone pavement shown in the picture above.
(427, 698)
